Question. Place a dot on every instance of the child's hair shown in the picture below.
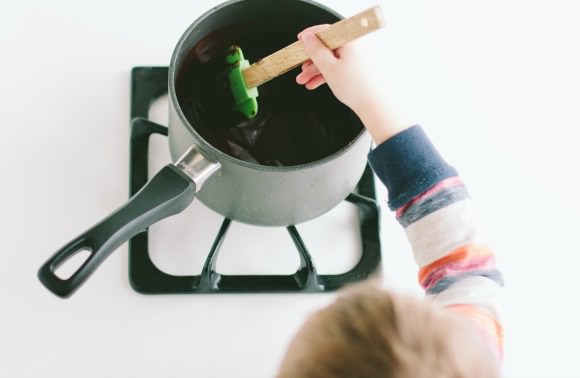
(369, 332)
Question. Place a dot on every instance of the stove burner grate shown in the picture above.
(149, 83)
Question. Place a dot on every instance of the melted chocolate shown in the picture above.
(293, 126)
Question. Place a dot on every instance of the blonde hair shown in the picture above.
(370, 333)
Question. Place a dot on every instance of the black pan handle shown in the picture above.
(168, 193)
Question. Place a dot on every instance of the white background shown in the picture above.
(494, 83)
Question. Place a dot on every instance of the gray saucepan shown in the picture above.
(245, 191)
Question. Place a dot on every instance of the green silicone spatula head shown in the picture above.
(244, 97)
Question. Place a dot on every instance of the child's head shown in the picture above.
(372, 333)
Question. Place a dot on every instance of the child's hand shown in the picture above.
(353, 81)
(344, 70)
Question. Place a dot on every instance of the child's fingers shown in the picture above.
(301, 79)
(318, 52)
(315, 82)
(350, 49)
(309, 71)
(314, 29)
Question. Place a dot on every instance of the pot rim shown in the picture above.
(208, 147)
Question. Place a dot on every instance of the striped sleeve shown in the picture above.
(457, 268)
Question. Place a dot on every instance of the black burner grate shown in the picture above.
(149, 83)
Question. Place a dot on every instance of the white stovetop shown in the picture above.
(501, 103)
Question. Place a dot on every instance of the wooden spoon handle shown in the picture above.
(337, 35)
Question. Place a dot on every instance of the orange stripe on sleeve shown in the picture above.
(463, 253)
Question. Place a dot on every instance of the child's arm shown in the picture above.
(457, 268)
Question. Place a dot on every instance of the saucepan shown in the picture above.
(301, 156)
